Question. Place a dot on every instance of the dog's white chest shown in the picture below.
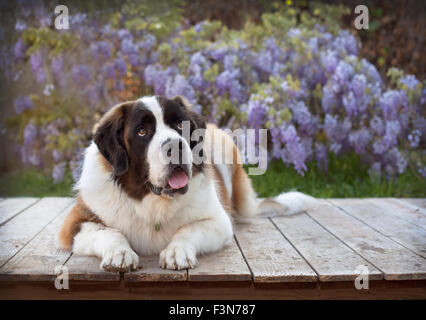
(150, 224)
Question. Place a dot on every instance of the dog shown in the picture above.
(131, 203)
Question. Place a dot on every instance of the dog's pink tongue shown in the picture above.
(178, 179)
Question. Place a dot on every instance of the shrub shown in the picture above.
(296, 73)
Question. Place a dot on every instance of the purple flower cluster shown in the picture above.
(81, 74)
(29, 152)
(22, 103)
(294, 151)
(37, 67)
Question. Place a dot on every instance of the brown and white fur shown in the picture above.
(117, 210)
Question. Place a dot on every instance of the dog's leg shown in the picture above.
(108, 244)
(206, 235)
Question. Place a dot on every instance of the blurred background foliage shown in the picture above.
(342, 120)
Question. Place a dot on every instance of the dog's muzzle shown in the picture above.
(173, 181)
(154, 189)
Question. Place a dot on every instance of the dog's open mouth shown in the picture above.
(178, 179)
(177, 183)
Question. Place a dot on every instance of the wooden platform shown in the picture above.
(314, 254)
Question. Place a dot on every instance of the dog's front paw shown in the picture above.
(178, 256)
(120, 260)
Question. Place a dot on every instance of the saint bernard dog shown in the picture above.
(131, 203)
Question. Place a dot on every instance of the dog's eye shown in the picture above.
(180, 125)
(142, 132)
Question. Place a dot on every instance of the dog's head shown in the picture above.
(148, 145)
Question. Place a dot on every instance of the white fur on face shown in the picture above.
(158, 163)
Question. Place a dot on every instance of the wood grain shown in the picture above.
(13, 206)
(395, 261)
(328, 243)
(18, 232)
(149, 270)
(372, 213)
(417, 202)
(380, 289)
(226, 265)
(407, 212)
(38, 259)
(332, 259)
(87, 268)
(270, 256)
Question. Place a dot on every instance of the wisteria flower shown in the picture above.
(22, 103)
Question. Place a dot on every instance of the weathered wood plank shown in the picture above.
(15, 234)
(226, 265)
(38, 259)
(394, 260)
(332, 260)
(381, 289)
(13, 206)
(417, 202)
(371, 213)
(417, 209)
(270, 256)
(88, 268)
(381, 231)
(149, 270)
(402, 210)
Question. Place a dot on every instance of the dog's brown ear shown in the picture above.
(109, 137)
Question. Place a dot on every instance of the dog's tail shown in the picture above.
(287, 203)
(235, 187)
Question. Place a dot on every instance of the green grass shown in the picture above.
(33, 183)
(346, 177)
